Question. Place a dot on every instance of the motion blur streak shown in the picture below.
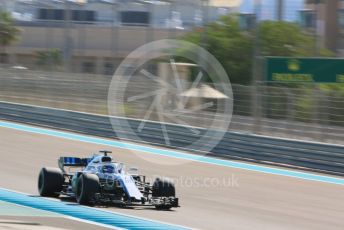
(170, 153)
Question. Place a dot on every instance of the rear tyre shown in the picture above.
(163, 188)
(50, 182)
(86, 188)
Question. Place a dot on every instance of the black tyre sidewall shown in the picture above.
(163, 188)
(87, 186)
(50, 182)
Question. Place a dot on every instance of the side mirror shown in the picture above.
(120, 168)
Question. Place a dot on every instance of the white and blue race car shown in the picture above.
(101, 180)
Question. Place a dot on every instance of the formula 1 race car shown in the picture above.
(101, 180)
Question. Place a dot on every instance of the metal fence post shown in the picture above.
(256, 108)
(255, 91)
(292, 110)
(315, 110)
(323, 116)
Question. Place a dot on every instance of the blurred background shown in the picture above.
(63, 54)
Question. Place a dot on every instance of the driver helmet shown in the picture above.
(108, 168)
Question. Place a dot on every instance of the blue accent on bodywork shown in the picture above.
(75, 161)
(175, 154)
(85, 213)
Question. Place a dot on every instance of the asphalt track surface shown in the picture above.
(44, 223)
(253, 201)
(19, 217)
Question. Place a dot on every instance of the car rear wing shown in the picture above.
(72, 162)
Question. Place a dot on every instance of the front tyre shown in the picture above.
(86, 188)
(50, 182)
(163, 189)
